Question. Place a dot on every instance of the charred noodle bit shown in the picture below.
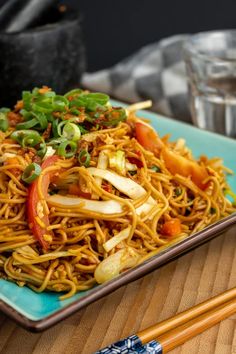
(105, 203)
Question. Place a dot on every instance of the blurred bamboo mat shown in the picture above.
(202, 273)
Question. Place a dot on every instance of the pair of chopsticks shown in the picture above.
(168, 334)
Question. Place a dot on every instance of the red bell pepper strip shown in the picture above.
(33, 200)
(175, 163)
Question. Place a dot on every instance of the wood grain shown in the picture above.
(193, 278)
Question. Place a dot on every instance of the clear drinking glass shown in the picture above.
(210, 59)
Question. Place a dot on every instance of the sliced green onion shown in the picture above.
(83, 130)
(26, 114)
(43, 107)
(60, 127)
(178, 191)
(4, 124)
(155, 168)
(71, 132)
(27, 125)
(91, 101)
(84, 158)
(31, 173)
(67, 148)
(98, 97)
(75, 111)
(4, 110)
(114, 117)
(42, 149)
(55, 123)
(60, 103)
(31, 140)
(26, 137)
(73, 93)
(132, 173)
(212, 210)
(27, 97)
(42, 120)
(57, 141)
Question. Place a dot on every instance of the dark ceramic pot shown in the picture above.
(51, 55)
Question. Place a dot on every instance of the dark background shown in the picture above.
(113, 29)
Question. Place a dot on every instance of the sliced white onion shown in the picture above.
(50, 152)
(115, 240)
(123, 184)
(111, 266)
(103, 206)
(102, 164)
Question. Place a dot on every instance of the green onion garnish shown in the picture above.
(84, 158)
(73, 93)
(42, 149)
(31, 173)
(4, 124)
(60, 103)
(27, 125)
(155, 168)
(178, 191)
(212, 210)
(26, 137)
(71, 132)
(67, 148)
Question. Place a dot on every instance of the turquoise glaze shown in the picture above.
(38, 306)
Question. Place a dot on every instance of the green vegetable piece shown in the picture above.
(42, 107)
(132, 173)
(84, 158)
(178, 191)
(100, 98)
(67, 148)
(71, 132)
(4, 124)
(26, 137)
(83, 130)
(60, 103)
(42, 149)
(31, 173)
(155, 168)
(73, 93)
(115, 116)
(27, 97)
(42, 119)
(212, 210)
(27, 125)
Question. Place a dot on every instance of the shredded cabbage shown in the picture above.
(117, 161)
(115, 240)
(98, 206)
(111, 266)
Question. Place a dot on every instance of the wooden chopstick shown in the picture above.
(168, 334)
(188, 330)
(205, 307)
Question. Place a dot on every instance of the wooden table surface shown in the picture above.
(202, 273)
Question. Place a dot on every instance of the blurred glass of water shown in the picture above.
(210, 59)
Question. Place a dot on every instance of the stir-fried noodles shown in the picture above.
(88, 190)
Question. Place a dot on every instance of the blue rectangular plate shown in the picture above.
(37, 312)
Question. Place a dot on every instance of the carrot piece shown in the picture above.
(171, 227)
(74, 189)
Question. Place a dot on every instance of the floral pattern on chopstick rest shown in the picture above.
(132, 344)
